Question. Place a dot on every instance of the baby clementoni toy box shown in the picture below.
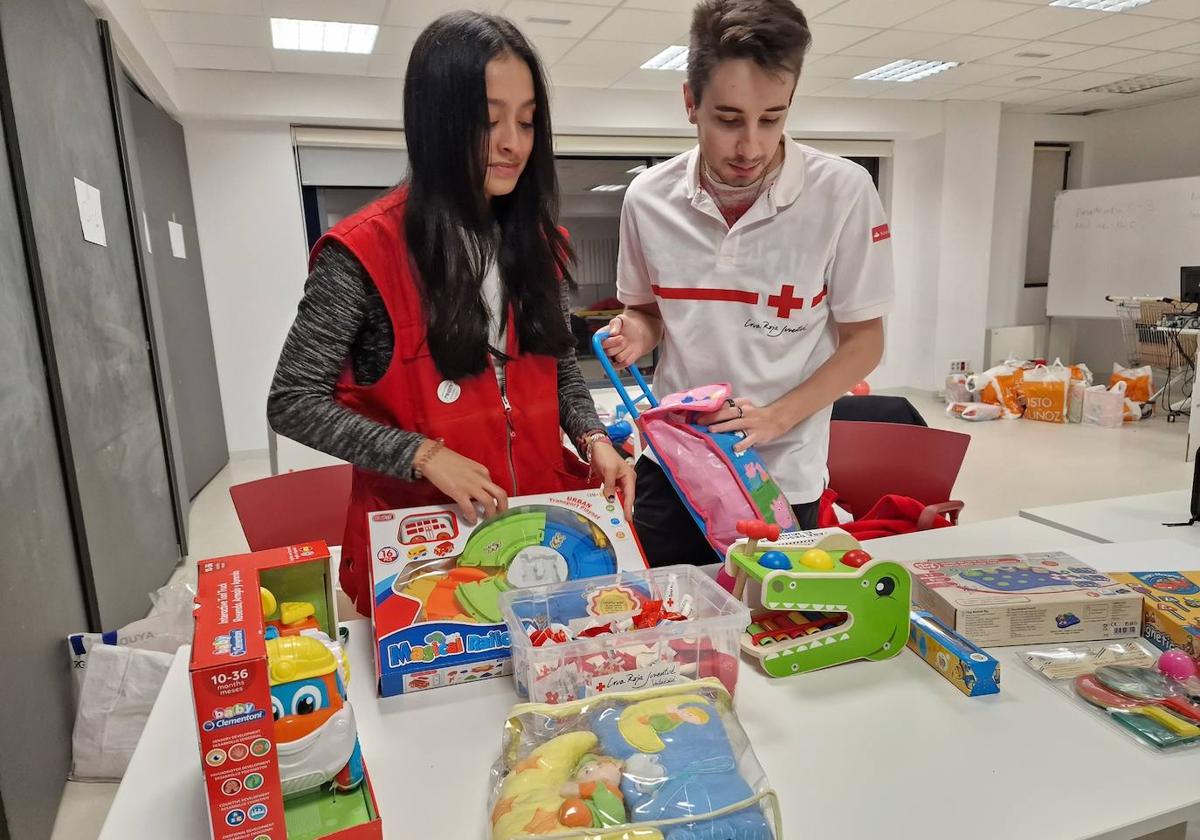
(1026, 599)
(1171, 608)
(437, 579)
(266, 632)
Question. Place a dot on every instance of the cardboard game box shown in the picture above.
(231, 691)
(967, 667)
(1019, 599)
(1170, 608)
(437, 580)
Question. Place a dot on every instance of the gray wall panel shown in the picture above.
(159, 364)
(41, 596)
(183, 304)
(64, 124)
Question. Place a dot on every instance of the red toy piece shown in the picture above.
(754, 530)
(547, 635)
(653, 614)
(856, 558)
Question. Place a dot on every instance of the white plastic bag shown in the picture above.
(974, 411)
(119, 690)
(956, 388)
(1104, 407)
(168, 626)
(1075, 402)
(116, 677)
(1079, 372)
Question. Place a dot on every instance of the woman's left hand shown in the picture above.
(616, 474)
(761, 424)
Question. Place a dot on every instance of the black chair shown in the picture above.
(878, 409)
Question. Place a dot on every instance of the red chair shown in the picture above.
(868, 461)
(294, 507)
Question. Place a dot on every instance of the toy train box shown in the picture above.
(437, 579)
(1170, 608)
(1017, 599)
(278, 743)
(966, 666)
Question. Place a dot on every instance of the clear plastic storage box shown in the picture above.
(705, 645)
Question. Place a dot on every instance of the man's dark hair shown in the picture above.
(774, 34)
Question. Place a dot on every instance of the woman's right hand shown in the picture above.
(629, 338)
(465, 481)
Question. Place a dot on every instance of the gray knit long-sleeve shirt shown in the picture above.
(342, 315)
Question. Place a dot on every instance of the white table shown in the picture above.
(1123, 519)
(858, 752)
(996, 536)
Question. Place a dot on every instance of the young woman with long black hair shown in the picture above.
(431, 348)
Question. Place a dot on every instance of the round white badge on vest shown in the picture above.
(449, 391)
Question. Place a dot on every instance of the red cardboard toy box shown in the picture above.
(231, 690)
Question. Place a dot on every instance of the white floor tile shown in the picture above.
(1015, 464)
(83, 809)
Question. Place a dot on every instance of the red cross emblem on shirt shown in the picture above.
(785, 301)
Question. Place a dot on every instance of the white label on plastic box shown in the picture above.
(661, 673)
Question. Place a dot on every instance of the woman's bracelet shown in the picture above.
(419, 463)
(589, 441)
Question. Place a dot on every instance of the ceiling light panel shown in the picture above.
(673, 57)
(323, 36)
(1101, 5)
(906, 70)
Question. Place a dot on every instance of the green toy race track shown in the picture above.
(811, 613)
(546, 538)
(496, 543)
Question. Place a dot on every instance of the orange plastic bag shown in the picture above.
(1047, 394)
(1000, 386)
(1137, 381)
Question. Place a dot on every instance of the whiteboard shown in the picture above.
(1127, 240)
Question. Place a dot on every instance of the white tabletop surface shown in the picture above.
(996, 536)
(864, 750)
(1124, 518)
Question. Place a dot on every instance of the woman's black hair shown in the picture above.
(451, 226)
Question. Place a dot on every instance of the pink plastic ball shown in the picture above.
(1177, 664)
(861, 389)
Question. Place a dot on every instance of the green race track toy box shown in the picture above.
(437, 580)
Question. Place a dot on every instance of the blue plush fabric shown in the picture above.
(694, 774)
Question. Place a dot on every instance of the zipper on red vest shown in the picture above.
(512, 432)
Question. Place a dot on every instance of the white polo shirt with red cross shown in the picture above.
(757, 305)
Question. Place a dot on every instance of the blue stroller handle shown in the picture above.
(615, 378)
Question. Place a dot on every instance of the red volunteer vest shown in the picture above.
(520, 442)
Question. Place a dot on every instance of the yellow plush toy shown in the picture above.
(530, 795)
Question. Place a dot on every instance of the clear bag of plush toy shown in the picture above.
(669, 763)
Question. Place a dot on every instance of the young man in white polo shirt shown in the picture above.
(754, 261)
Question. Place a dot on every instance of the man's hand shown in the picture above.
(860, 346)
(633, 334)
(760, 424)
